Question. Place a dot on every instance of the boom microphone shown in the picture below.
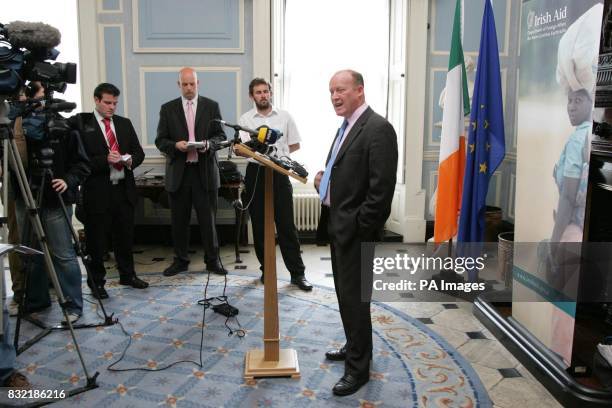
(22, 34)
(214, 146)
(262, 134)
(251, 132)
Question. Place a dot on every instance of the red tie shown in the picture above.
(112, 141)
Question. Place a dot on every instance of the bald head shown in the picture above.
(188, 82)
(346, 92)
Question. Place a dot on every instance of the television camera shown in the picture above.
(25, 49)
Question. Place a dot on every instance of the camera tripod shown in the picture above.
(46, 175)
(11, 156)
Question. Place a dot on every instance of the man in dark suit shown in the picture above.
(109, 193)
(356, 190)
(192, 176)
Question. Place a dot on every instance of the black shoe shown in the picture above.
(216, 268)
(134, 282)
(99, 293)
(336, 355)
(176, 268)
(349, 384)
(302, 283)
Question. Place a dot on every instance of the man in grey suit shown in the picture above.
(356, 190)
(192, 176)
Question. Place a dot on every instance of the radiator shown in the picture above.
(306, 210)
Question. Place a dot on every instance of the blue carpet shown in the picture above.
(412, 365)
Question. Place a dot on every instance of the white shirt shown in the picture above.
(277, 119)
(115, 175)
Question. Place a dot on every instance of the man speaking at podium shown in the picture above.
(264, 113)
(356, 190)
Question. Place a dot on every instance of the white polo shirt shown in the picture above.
(277, 119)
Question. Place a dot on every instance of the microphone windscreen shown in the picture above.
(262, 134)
(22, 34)
(274, 136)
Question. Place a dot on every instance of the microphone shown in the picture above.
(22, 34)
(214, 146)
(262, 134)
(267, 135)
(251, 132)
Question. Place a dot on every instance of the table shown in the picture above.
(152, 187)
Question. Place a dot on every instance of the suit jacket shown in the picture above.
(172, 128)
(362, 181)
(97, 188)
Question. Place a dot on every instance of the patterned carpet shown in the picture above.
(412, 366)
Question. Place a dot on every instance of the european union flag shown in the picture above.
(486, 140)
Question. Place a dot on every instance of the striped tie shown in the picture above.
(112, 141)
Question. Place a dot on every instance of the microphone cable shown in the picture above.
(112, 368)
(206, 303)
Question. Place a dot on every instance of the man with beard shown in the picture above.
(264, 113)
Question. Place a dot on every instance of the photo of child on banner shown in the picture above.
(576, 73)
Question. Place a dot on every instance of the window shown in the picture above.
(320, 38)
(61, 16)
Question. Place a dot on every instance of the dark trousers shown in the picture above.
(192, 194)
(118, 222)
(283, 217)
(354, 297)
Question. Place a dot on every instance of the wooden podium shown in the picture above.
(271, 361)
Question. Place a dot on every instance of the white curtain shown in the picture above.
(322, 37)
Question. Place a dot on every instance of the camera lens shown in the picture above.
(66, 72)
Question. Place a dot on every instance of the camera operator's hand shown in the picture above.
(59, 185)
(113, 157)
(317, 180)
(181, 146)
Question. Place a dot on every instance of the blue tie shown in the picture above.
(328, 169)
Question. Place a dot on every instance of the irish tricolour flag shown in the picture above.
(452, 142)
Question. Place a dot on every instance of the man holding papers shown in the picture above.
(109, 193)
(186, 124)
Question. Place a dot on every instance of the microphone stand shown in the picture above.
(230, 149)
